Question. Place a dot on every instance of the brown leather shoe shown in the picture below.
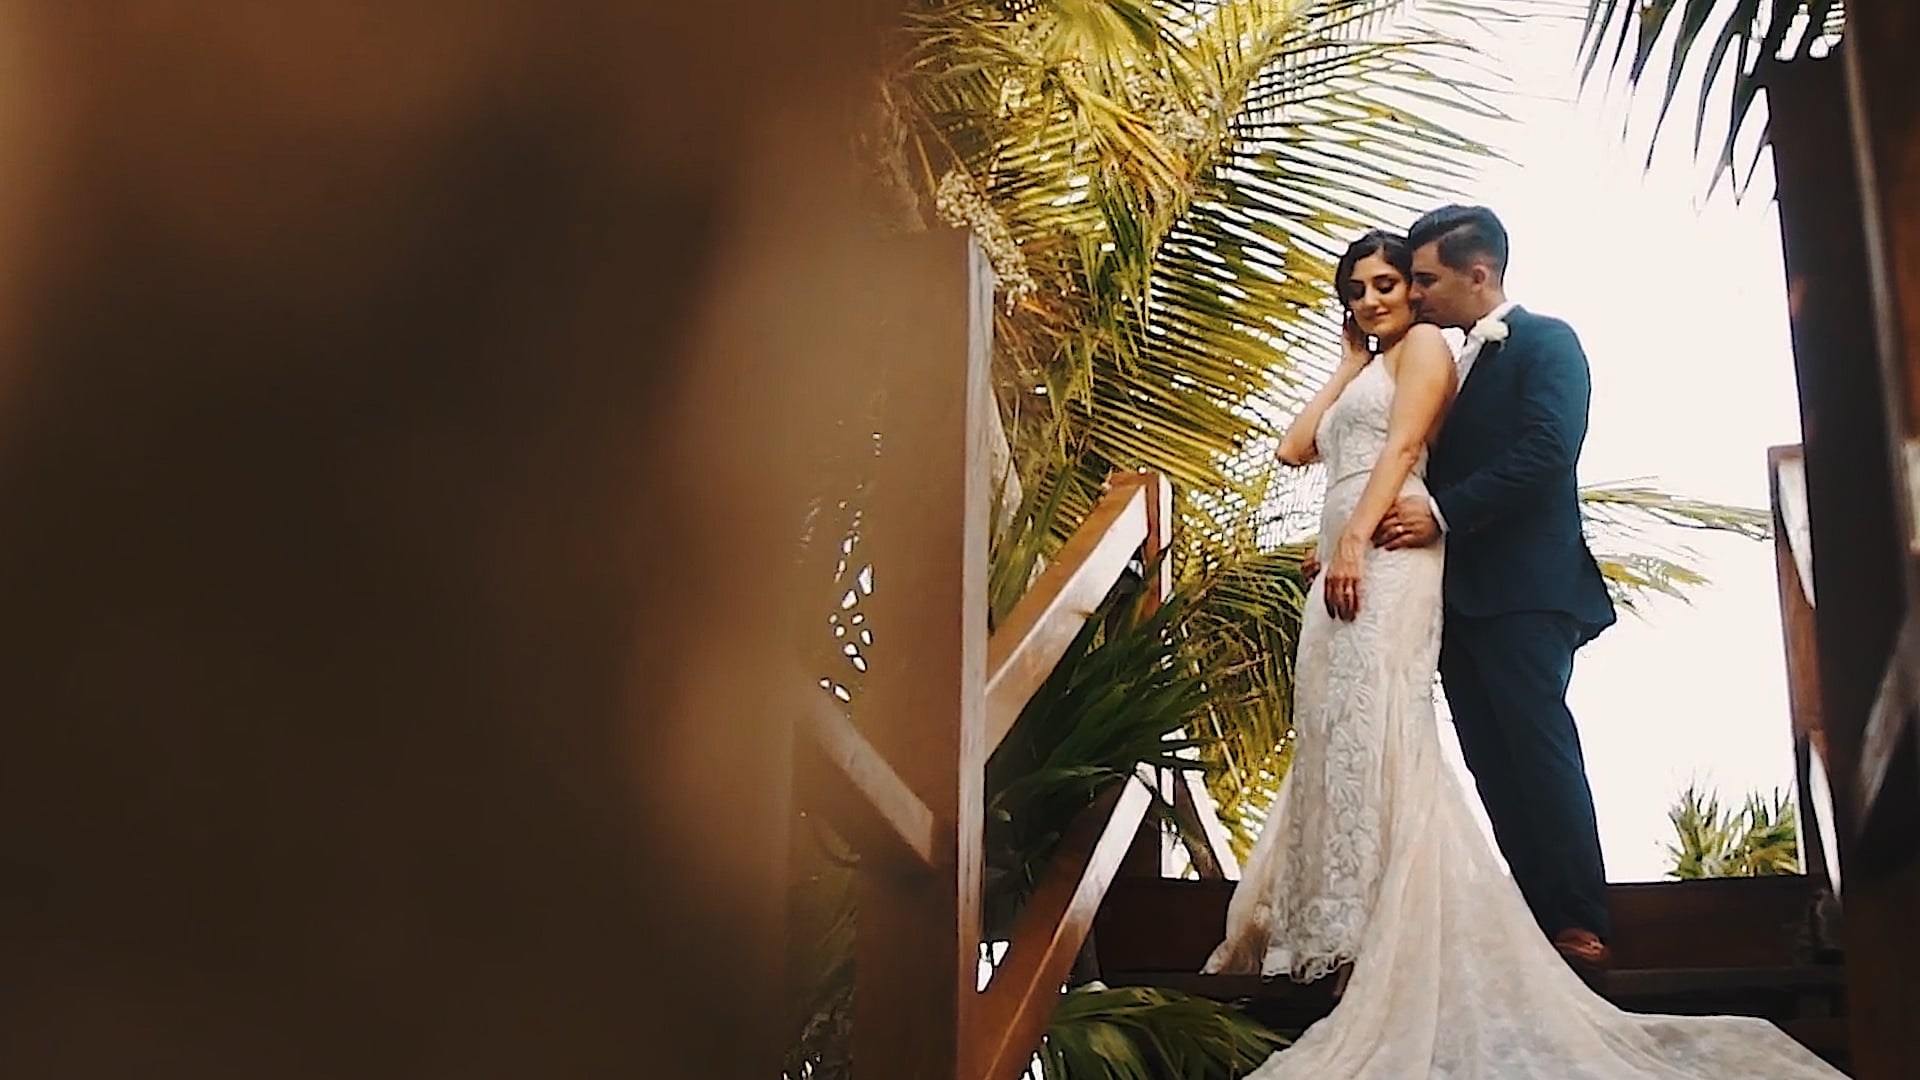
(1586, 954)
(1341, 975)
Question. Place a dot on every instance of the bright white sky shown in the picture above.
(1682, 309)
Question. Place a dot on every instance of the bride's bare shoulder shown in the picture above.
(1425, 346)
(1426, 336)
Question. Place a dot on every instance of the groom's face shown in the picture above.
(1441, 294)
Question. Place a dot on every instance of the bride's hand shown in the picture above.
(1342, 589)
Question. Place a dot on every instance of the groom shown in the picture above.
(1522, 590)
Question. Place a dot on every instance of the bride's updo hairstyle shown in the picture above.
(1390, 246)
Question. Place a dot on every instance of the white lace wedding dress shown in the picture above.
(1372, 853)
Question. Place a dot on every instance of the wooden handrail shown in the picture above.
(1018, 1003)
(1793, 530)
(1887, 720)
(1793, 567)
(1011, 1016)
(1020, 656)
(1892, 702)
(870, 805)
(1025, 648)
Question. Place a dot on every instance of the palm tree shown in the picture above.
(1163, 187)
(1758, 839)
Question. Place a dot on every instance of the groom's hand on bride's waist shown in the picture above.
(1409, 523)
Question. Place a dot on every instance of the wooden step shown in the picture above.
(1807, 1002)
(1827, 1036)
(1813, 991)
(1807, 990)
(1157, 924)
(1733, 946)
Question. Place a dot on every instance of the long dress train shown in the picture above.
(1371, 853)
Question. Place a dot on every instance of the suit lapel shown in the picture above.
(1488, 351)
(1492, 350)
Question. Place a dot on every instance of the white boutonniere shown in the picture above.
(1492, 330)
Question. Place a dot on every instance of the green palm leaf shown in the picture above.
(1619, 519)
(1757, 839)
(1749, 32)
(1144, 1033)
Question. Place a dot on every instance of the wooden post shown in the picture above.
(1152, 846)
(398, 491)
(1845, 152)
(1855, 531)
(924, 706)
(1159, 542)
(1882, 863)
(1884, 104)
(1195, 824)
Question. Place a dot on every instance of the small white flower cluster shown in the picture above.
(961, 204)
(1185, 130)
(1491, 330)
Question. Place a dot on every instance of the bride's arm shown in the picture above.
(1298, 446)
(1422, 388)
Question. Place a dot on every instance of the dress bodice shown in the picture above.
(1353, 430)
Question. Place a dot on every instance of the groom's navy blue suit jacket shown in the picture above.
(1502, 472)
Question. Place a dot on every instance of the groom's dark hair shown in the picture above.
(1466, 234)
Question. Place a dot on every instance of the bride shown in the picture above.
(1372, 865)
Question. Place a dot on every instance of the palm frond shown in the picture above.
(1747, 32)
(1619, 518)
(1143, 1033)
(1173, 179)
(1756, 839)
(1771, 844)
(1245, 626)
(1624, 508)
(1633, 576)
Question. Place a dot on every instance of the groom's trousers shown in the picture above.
(1506, 683)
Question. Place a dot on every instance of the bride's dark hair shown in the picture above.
(1390, 246)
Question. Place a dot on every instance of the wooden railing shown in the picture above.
(1132, 518)
(901, 837)
(903, 779)
(1793, 564)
